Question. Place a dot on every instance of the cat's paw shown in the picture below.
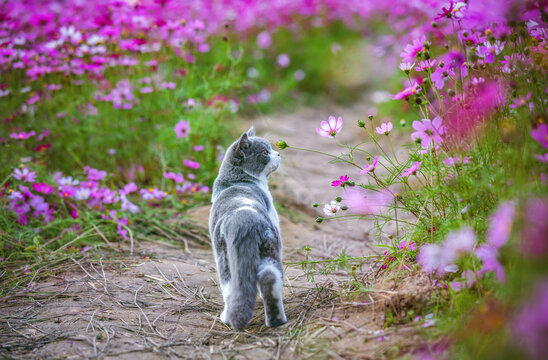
(223, 317)
(277, 321)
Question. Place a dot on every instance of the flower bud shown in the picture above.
(361, 123)
(403, 122)
(281, 144)
(338, 199)
(315, 204)
(434, 24)
(370, 117)
(319, 220)
(306, 248)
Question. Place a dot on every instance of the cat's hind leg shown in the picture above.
(225, 289)
(270, 278)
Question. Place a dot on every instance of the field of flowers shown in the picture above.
(114, 116)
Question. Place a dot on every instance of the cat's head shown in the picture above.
(254, 154)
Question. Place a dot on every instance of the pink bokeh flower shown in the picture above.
(385, 128)
(542, 158)
(521, 101)
(540, 134)
(283, 60)
(407, 92)
(42, 188)
(177, 177)
(330, 127)
(191, 164)
(500, 225)
(370, 167)
(22, 135)
(428, 131)
(264, 40)
(361, 201)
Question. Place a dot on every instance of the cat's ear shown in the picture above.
(243, 144)
(251, 131)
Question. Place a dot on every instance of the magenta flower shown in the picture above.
(426, 64)
(340, 182)
(152, 194)
(534, 241)
(42, 188)
(198, 148)
(413, 49)
(66, 191)
(126, 205)
(500, 225)
(129, 188)
(181, 129)
(191, 164)
(146, 90)
(331, 208)
(24, 175)
(407, 92)
(22, 135)
(439, 76)
(361, 201)
(168, 85)
(330, 128)
(370, 167)
(178, 178)
(428, 131)
(385, 128)
(488, 255)
(521, 101)
(540, 134)
(412, 170)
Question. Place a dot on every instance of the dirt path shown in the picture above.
(164, 302)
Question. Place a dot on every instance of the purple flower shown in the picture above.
(283, 60)
(340, 182)
(152, 194)
(331, 208)
(540, 134)
(407, 92)
(94, 174)
(426, 64)
(24, 175)
(168, 85)
(146, 90)
(198, 148)
(412, 170)
(521, 101)
(191, 164)
(411, 50)
(370, 167)
(452, 161)
(66, 191)
(264, 40)
(22, 135)
(428, 131)
(178, 178)
(500, 226)
(385, 128)
(361, 201)
(181, 129)
(439, 75)
(488, 255)
(129, 188)
(127, 205)
(330, 128)
(42, 188)
(82, 193)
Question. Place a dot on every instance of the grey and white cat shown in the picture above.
(245, 232)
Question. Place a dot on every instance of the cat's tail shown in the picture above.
(243, 259)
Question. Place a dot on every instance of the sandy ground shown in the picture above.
(163, 301)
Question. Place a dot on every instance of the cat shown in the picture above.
(245, 233)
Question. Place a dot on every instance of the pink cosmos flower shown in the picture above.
(129, 188)
(534, 241)
(94, 174)
(488, 255)
(181, 129)
(330, 128)
(428, 131)
(191, 164)
(82, 193)
(66, 191)
(406, 67)
(177, 177)
(340, 182)
(126, 205)
(361, 201)
(407, 92)
(331, 208)
(22, 135)
(426, 64)
(412, 170)
(146, 90)
(521, 101)
(440, 75)
(42, 188)
(152, 194)
(385, 128)
(24, 175)
(198, 148)
(540, 134)
(542, 158)
(411, 50)
(370, 167)
(500, 225)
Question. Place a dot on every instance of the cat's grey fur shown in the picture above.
(245, 233)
